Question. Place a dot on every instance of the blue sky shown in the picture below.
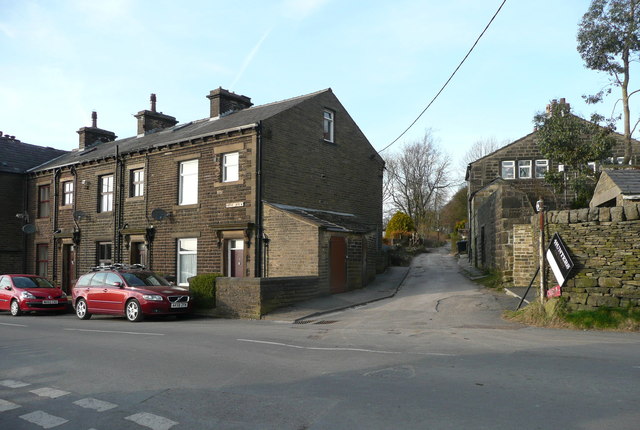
(384, 60)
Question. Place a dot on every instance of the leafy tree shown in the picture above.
(575, 142)
(455, 210)
(608, 41)
(416, 182)
(399, 224)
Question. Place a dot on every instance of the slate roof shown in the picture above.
(628, 180)
(330, 220)
(18, 157)
(178, 133)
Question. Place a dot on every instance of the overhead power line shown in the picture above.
(448, 80)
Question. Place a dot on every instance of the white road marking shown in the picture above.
(10, 383)
(52, 393)
(316, 348)
(7, 406)
(95, 404)
(151, 421)
(114, 331)
(14, 325)
(43, 419)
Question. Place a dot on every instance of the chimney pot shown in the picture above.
(153, 102)
(149, 120)
(94, 119)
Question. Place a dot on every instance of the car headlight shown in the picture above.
(152, 297)
(27, 295)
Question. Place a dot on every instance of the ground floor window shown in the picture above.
(187, 260)
(42, 259)
(103, 253)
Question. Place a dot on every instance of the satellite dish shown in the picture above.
(159, 214)
(29, 228)
(78, 215)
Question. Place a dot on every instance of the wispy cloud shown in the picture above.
(301, 9)
(249, 58)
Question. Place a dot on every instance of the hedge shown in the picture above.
(203, 288)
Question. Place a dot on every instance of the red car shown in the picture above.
(131, 291)
(26, 293)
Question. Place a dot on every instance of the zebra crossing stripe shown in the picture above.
(43, 419)
(95, 404)
(52, 393)
(10, 383)
(7, 406)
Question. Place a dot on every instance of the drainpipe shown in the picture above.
(117, 195)
(25, 193)
(259, 222)
(75, 246)
(54, 216)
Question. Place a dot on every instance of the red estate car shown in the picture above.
(26, 293)
(131, 291)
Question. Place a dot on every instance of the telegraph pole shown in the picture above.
(540, 208)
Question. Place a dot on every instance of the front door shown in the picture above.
(338, 264)
(138, 253)
(235, 258)
(68, 267)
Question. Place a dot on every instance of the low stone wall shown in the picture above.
(604, 244)
(253, 297)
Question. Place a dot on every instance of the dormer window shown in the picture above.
(328, 125)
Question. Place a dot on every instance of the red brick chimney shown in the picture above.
(224, 102)
(566, 107)
(150, 120)
(94, 135)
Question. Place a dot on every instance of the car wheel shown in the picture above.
(81, 310)
(15, 308)
(133, 311)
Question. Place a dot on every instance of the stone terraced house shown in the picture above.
(286, 189)
(503, 188)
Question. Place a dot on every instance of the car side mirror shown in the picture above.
(117, 284)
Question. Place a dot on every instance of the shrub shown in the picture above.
(203, 288)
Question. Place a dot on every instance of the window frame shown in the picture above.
(100, 258)
(136, 182)
(527, 166)
(42, 259)
(231, 168)
(105, 197)
(44, 202)
(503, 164)
(188, 181)
(67, 193)
(544, 163)
(328, 125)
(181, 256)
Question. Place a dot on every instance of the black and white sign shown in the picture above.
(559, 259)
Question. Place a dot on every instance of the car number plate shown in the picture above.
(49, 302)
(179, 305)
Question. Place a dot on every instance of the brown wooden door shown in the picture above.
(68, 268)
(338, 264)
(235, 249)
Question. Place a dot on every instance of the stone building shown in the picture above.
(503, 189)
(620, 187)
(291, 188)
(16, 158)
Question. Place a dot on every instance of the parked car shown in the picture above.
(131, 291)
(26, 293)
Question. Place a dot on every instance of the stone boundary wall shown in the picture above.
(525, 260)
(604, 244)
(251, 298)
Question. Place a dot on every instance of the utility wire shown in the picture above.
(448, 80)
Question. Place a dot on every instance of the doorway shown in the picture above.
(68, 267)
(337, 264)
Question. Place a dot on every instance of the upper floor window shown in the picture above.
(188, 192)
(136, 181)
(328, 125)
(67, 193)
(230, 167)
(509, 169)
(44, 200)
(106, 193)
(542, 167)
(42, 259)
(524, 169)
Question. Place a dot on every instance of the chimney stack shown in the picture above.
(224, 102)
(93, 135)
(150, 120)
(562, 104)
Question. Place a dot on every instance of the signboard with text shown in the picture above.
(559, 259)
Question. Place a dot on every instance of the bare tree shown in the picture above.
(480, 148)
(417, 181)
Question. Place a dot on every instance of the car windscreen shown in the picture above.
(31, 282)
(141, 279)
